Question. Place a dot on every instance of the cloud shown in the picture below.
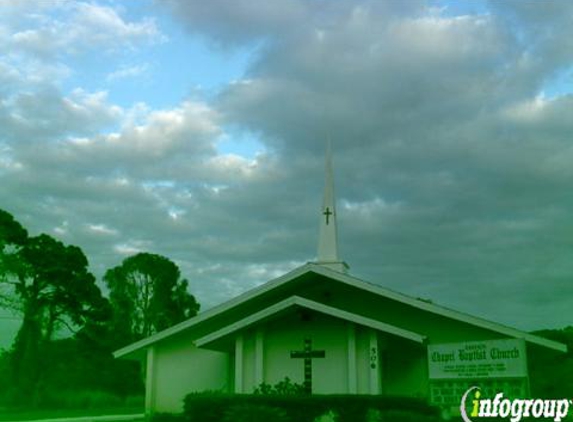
(247, 21)
(162, 144)
(101, 25)
(46, 114)
(102, 229)
(451, 166)
(76, 28)
(128, 72)
(239, 21)
(542, 34)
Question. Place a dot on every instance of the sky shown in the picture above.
(197, 130)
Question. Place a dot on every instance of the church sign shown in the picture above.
(478, 359)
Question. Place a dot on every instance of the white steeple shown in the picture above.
(328, 239)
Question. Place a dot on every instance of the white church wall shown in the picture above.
(287, 334)
(362, 357)
(279, 339)
(332, 371)
(249, 362)
(181, 368)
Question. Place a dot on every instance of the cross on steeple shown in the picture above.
(327, 213)
(307, 354)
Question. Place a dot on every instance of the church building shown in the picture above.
(334, 334)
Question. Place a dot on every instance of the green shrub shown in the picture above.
(403, 416)
(167, 417)
(135, 401)
(284, 387)
(306, 408)
(254, 413)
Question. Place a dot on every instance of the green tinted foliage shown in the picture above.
(147, 295)
(254, 413)
(55, 290)
(551, 373)
(12, 237)
(56, 286)
(306, 408)
(50, 285)
(284, 387)
(11, 232)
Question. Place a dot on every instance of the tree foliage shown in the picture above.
(57, 287)
(553, 372)
(11, 231)
(147, 295)
(12, 237)
(50, 285)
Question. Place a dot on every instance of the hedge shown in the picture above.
(210, 407)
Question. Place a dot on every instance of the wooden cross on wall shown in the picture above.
(307, 354)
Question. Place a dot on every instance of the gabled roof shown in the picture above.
(295, 301)
(348, 280)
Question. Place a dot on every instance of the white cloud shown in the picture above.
(46, 114)
(92, 19)
(527, 111)
(102, 229)
(126, 249)
(233, 164)
(128, 72)
(191, 129)
(62, 230)
(370, 207)
(76, 28)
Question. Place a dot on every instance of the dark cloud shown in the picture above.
(240, 21)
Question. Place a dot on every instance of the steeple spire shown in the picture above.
(328, 239)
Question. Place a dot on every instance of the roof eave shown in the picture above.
(314, 306)
(349, 280)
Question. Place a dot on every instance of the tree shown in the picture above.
(50, 285)
(147, 294)
(12, 237)
(11, 232)
(55, 289)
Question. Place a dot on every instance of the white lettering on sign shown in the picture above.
(478, 359)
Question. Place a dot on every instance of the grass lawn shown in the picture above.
(29, 415)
